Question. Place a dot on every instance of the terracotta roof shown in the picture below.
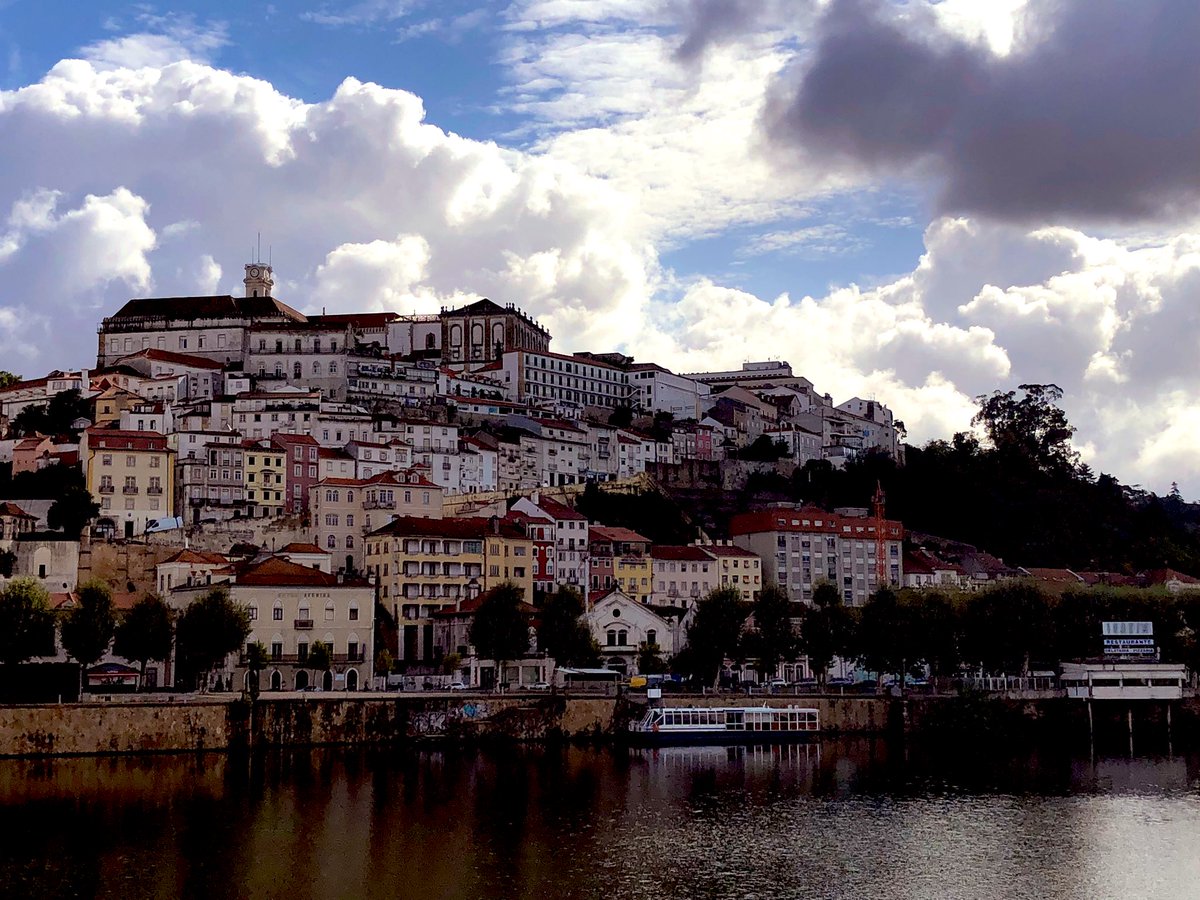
(618, 535)
(297, 547)
(461, 527)
(401, 479)
(792, 520)
(557, 510)
(484, 307)
(116, 439)
(726, 550)
(287, 438)
(8, 508)
(1162, 576)
(688, 554)
(283, 572)
(197, 557)
(357, 320)
(179, 359)
(1060, 576)
(470, 606)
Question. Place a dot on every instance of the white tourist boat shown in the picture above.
(725, 724)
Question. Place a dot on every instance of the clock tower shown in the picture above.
(258, 280)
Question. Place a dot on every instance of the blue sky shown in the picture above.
(918, 201)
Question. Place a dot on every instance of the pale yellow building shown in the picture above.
(346, 510)
(131, 474)
(425, 565)
(263, 479)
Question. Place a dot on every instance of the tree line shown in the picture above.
(200, 636)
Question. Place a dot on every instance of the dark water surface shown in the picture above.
(841, 820)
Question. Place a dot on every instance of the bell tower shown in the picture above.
(259, 280)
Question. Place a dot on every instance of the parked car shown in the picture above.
(778, 684)
(839, 682)
(456, 686)
(539, 686)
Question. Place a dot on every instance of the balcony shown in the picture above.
(106, 489)
(153, 490)
(295, 659)
(129, 489)
(379, 504)
(302, 624)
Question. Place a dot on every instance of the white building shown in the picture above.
(622, 625)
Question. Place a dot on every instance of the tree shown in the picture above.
(621, 417)
(773, 638)
(825, 629)
(55, 417)
(650, 661)
(887, 636)
(319, 657)
(500, 629)
(8, 379)
(764, 450)
(1030, 426)
(256, 661)
(73, 510)
(145, 634)
(88, 628)
(715, 633)
(384, 662)
(211, 628)
(26, 622)
(1006, 627)
(564, 633)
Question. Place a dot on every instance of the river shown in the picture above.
(843, 819)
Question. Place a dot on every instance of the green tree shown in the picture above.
(714, 634)
(887, 636)
(936, 632)
(73, 510)
(88, 629)
(564, 633)
(8, 561)
(649, 660)
(145, 633)
(1029, 426)
(208, 630)
(384, 662)
(26, 622)
(256, 661)
(825, 629)
(500, 629)
(1008, 626)
(621, 417)
(319, 657)
(8, 379)
(773, 638)
(55, 417)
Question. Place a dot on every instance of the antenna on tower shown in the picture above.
(269, 254)
(258, 256)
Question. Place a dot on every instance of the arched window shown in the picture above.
(455, 335)
(329, 618)
(349, 542)
(299, 347)
(652, 637)
(623, 637)
(331, 542)
(316, 367)
(429, 341)
(611, 637)
(332, 368)
(296, 371)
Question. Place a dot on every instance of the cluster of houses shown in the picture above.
(374, 459)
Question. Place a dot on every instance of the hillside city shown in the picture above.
(360, 486)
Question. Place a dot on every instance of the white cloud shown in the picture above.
(368, 206)
(165, 40)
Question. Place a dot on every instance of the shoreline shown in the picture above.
(203, 723)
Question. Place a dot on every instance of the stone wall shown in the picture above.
(85, 728)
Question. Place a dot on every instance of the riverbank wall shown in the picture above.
(121, 727)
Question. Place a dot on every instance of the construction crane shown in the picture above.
(877, 503)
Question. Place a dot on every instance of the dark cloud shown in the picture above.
(1093, 116)
(709, 23)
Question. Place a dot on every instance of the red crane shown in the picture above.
(877, 503)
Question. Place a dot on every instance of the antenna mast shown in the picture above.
(877, 503)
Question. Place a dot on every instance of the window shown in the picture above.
(329, 612)
(277, 612)
(353, 612)
(277, 650)
(652, 637)
(331, 542)
(106, 459)
(253, 613)
(349, 542)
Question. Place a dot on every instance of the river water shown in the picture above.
(844, 819)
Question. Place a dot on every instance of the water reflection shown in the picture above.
(837, 819)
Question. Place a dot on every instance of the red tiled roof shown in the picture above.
(617, 535)
(285, 573)
(197, 556)
(297, 547)
(209, 307)
(792, 520)
(726, 550)
(1054, 575)
(116, 439)
(288, 438)
(1162, 576)
(557, 510)
(408, 478)
(462, 527)
(470, 606)
(10, 509)
(181, 359)
(688, 554)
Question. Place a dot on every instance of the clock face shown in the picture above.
(254, 273)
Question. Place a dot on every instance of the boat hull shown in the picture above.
(719, 738)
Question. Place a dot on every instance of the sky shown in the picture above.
(918, 202)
